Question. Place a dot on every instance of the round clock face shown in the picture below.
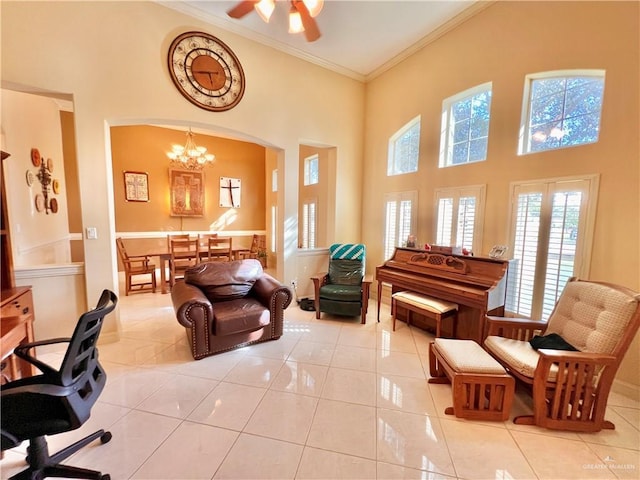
(206, 71)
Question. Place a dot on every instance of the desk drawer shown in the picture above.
(20, 305)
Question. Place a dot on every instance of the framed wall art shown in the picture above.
(136, 186)
(187, 193)
(229, 192)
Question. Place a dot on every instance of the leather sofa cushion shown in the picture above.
(221, 281)
(343, 293)
(241, 315)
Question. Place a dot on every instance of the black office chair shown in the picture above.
(57, 401)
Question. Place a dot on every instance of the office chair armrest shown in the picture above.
(22, 386)
(515, 328)
(21, 351)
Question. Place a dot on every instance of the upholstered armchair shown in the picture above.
(226, 305)
(344, 289)
(578, 353)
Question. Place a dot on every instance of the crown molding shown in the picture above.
(462, 17)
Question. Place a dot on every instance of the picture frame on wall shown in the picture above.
(187, 192)
(498, 251)
(136, 186)
(230, 190)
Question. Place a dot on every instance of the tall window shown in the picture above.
(465, 126)
(311, 174)
(460, 216)
(561, 109)
(404, 148)
(551, 236)
(309, 223)
(400, 219)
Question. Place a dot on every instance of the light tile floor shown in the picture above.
(332, 399)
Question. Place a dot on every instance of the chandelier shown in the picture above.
(190, 156)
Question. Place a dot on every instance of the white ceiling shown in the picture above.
(359, 38)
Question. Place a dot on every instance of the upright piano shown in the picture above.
(477, 284)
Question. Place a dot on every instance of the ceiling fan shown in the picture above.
(301, 14)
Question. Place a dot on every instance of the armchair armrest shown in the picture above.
(572, 366)
(141, 259)
(190, 304)
(271, 293)
(320, 279)
(515, 328)
(366, 286)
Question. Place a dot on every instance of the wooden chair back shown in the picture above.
(185, 253)
(220, 249)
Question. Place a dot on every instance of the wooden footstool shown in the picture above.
(424, 305)
(481, 387)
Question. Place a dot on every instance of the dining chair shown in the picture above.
(203, 240)
(220, 249)
(138, 266)
(185, 253)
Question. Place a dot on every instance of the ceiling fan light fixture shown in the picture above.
(295, 21)
(265, 8)
(314, 6)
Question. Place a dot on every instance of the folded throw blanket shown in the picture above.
(552, 341)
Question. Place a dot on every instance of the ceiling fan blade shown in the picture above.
(242, 8)
(311, 31)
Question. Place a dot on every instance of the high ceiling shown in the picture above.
(359, 38)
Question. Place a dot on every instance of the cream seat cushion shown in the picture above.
(519, 355)
(466, 356)
(427, 303)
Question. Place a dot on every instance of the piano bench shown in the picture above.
(482, 389)
(424, 305)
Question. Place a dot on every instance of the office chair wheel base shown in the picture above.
(105, 438)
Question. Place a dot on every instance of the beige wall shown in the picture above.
(502, 44)
(113, 63)
(37, 237)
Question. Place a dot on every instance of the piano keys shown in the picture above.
(477, 284)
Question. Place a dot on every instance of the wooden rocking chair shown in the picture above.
(570, 388)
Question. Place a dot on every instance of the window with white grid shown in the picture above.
(561, 109)
(400, 219)
(404, 149)
(311, 173)
(309, 224)
(460, 216)
(551, 235)
(465, 126)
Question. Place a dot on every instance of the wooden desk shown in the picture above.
(16, 322)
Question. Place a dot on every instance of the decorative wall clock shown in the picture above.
(205, 71)
(229, 192)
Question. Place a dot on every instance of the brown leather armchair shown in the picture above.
(226, 305)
